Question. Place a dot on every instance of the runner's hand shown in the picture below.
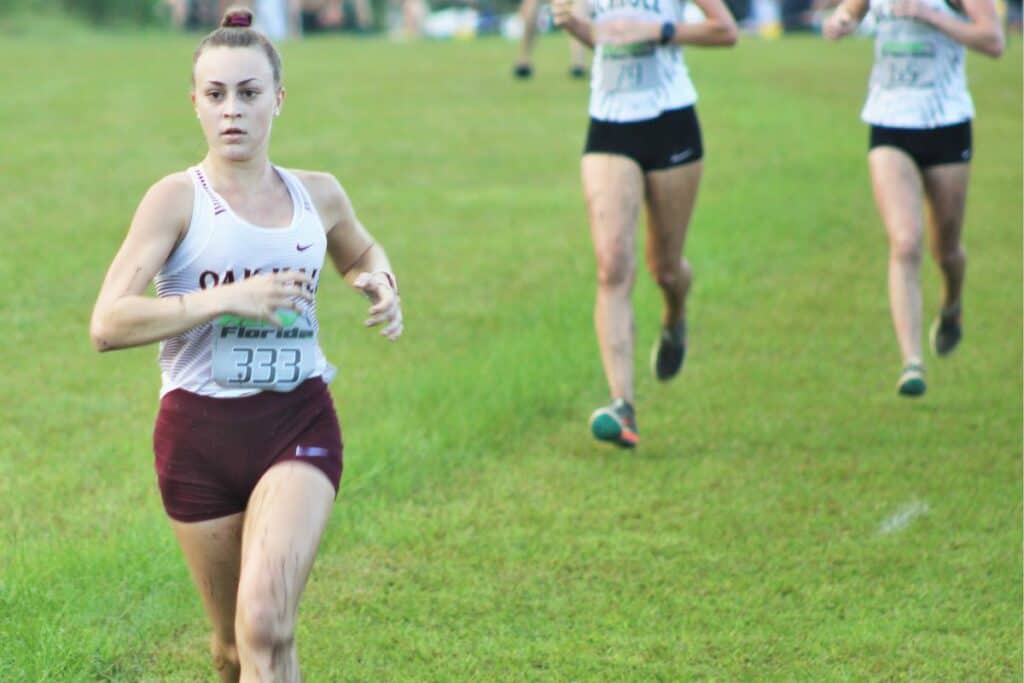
(386, 306)
(261, 296)
(620, 32)
(838, 25)
(561, 11)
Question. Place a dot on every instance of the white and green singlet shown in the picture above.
(231, 356)
(640, 81)
(919, 78)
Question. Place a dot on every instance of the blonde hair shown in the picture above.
(236, 31)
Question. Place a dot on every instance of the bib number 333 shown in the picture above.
(257, 355)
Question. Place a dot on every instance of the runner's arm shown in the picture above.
(568, 15)
(718, 29)
(124, 316)
(356, 255)
(856, 9)
(845, 19)
(982, 31)
(351, 247)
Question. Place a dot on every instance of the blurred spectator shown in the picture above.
(179, 11)
(195, 15)
(336, 15)
(277, 19)
(797, 16)
(530, 12)
(740, 9)
(1013, 15)
(407, 18)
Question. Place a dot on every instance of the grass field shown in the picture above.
(787, 518)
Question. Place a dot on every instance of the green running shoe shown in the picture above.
(615, 423)
(946, 332)
(669, 352)
(912, 380)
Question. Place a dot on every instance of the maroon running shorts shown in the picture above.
(211, 452)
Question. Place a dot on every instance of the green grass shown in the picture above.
(480, 534)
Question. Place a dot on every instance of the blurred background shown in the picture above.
(410, 19)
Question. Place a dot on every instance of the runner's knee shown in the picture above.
(906, 249)
(669, 274)
(949, 256)
(262, 624)
(615, 268)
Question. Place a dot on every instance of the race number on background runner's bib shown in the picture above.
(630, 68)
(251, 354)
(903, 61)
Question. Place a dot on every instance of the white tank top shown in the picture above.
(919, 79)
(220, 248)
(640, 81)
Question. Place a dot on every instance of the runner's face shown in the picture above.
(236, 100)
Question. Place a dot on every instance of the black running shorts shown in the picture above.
(928, 146)
(671, 139)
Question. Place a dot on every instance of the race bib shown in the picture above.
(905, 64)
(250, 354)
(630, 68)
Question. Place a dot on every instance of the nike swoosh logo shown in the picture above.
(303, 248)
(681, 155)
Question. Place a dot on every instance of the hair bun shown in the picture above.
(237, 18)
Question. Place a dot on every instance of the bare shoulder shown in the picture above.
(331, 200)
(172, 188)
(171, 197)
(319, 183)
(166, 209)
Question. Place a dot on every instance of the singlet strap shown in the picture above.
(297, 188)
(204, 185)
